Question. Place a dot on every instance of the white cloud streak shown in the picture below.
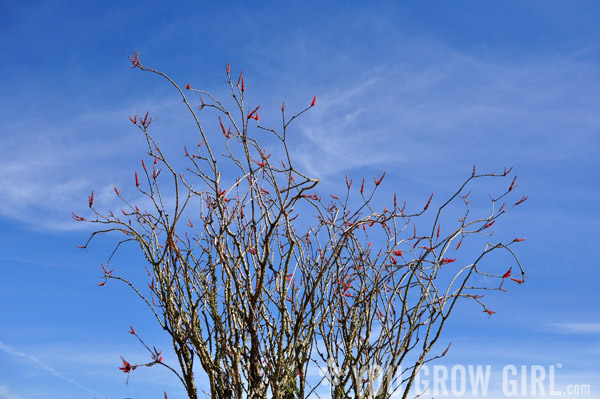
(428, 107)
(42, 365)
(443, 105)
(575, 328)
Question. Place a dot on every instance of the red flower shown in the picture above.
(349, 183)
(314, 101)
(459, 244)
(448, 348)
(227, 69)
(126, 366)
(188, 86)
(397, 252)
(135, 61)
(133, 119)
(517, 280)
(428, 202)
(78, 218)
(502, 207)
(91, 199)
(226, 133)
(132, 331)
(490, 312)
(378, 182)
(253, 114)
(512, 185)
(117, 190)
(508, 273)
(137, 181)
(241, 80)
(146, 122)
(489, 224)
(394, 261)
(156, 357)
(448, 260)
(521, 200)
(519, 239)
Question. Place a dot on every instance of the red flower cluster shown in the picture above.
(126, 366)
(253, 114)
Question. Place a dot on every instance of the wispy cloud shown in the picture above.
(5, 392)
(49, 167)
(442, 104)
(39, 363)
(575, 328)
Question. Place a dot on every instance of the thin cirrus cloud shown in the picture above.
(50, 167)
(471, 106)
(34, 360)
(461, 102)
(574, 328)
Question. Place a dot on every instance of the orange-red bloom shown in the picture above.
(76, 217)
(512, 185)
(489, 224)
(91, 199)
(428, 202)
(378, 182)
(521, 200)
(126, 366)
(135, 61)
(314, 101)
(447, 349)
(253, 114)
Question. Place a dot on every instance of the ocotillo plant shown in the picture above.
(259, 292)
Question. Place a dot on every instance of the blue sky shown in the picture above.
(422, 90)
